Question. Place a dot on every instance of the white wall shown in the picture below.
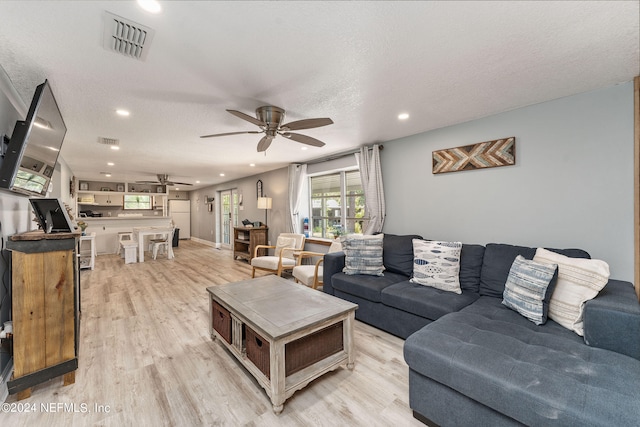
(572, 185)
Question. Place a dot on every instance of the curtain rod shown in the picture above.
(337, 156)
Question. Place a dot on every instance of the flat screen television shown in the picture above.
(32, 152)
(51, 215)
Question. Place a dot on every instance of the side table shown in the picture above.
(87, 250)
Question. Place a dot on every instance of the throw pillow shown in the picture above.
(579, 280)
(363, 254)
(437, 264)
(284, 242)
(529, 287)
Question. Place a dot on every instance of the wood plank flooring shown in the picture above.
(146, 359)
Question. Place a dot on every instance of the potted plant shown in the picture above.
(83, 226)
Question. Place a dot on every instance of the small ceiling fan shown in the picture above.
(269, 120)
(163, 179)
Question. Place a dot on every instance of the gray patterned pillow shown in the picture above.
(363, 254)
(437, 264)
(529, 287)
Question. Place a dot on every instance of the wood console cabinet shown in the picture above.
(245, 241)
(45, 305)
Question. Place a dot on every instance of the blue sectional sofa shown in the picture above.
(475, 362)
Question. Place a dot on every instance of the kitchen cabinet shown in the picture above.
(108, 199)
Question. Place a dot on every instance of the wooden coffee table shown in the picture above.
(285, 334)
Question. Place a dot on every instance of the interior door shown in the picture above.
(226, 213)
(229, 215)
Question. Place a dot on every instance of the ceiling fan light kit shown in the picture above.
(269, 119)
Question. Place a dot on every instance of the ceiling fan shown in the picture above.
(269, 120)
(163, 179)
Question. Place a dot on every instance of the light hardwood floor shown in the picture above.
(147, 357)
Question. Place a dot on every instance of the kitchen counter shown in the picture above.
(111, 218)
(108, 227)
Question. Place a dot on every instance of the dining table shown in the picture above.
(141, 232)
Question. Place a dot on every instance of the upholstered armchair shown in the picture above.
(312, 274)
(283, 257)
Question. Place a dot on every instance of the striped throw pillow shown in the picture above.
(363, 254)
(529, 287)
(579, 280)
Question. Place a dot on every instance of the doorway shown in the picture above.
(228, 215)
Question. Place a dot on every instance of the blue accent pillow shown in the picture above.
(363, 254)
(529, 287)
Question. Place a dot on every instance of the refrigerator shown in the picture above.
(180, 213)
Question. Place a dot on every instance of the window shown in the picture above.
(337, 204)
(137, 202)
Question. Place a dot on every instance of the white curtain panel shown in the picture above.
(371, 176)
(297, 177)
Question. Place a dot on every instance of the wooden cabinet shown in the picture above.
(245, 241)
(45, 305)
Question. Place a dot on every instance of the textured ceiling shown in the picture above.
(359, 63)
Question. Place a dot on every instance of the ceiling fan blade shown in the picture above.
(264, 143)
(307, 124)
(303, 139)
(176, 183)
(229, 133)
(247, 118)
(147, 182)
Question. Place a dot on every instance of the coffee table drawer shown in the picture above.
(310, 349)
(221, 319)
(258, 351)
(300, 353)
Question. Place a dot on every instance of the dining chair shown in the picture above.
(164, 244)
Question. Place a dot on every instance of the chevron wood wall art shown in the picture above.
(489, 154)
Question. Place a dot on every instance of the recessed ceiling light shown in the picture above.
(107, 174)
(304, 148)
(197, 182)
(151, 6)
(403, 116)
(221, 174)
(123, 113)
(110, 163)
(177, 189)
(115, 147)
(252, 165)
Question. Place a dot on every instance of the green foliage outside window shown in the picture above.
(137, 202)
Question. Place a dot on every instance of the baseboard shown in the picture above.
(205, 242)
(6, 375)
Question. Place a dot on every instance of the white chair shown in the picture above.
(283, 257)
(164, 244)
(312, 274)
(124, 237)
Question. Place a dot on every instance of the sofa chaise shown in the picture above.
(473, 361)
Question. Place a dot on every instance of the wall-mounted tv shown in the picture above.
(32, 152)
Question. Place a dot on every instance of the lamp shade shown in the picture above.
(264, 202)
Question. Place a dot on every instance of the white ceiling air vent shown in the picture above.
(126, 37)
(108, 141)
